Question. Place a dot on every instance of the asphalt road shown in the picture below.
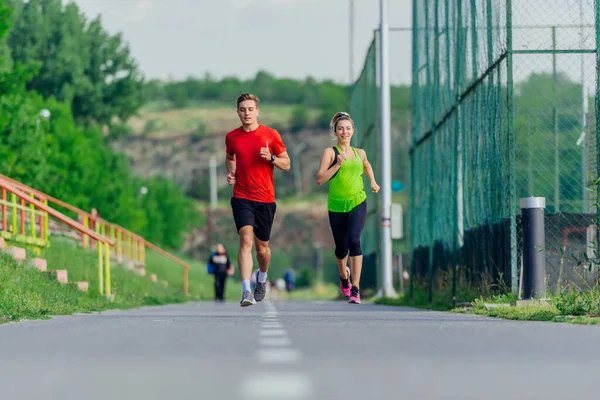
(295, 350)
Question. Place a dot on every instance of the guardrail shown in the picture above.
(127, 245)
(18, 218)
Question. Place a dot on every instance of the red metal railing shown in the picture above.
(43, 210)
(127, 245)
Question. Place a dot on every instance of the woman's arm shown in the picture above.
(368, 170)
(324, 174)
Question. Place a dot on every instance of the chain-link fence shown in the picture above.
(460, 197)
(363, 108)
(554, 49)
(500, 111)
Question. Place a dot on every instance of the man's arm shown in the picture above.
(282, 161)
(230, 162)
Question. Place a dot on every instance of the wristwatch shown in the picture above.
(272, 158)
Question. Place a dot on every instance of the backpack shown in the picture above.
(210, 267)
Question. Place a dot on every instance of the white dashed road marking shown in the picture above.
(272, 325)
(273, 332)
(274, 341)
(278, 356)
(276, 385)
(275, 350)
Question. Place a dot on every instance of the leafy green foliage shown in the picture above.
(72, 162)
(579, 302)
(306, 278)
(79, 63)
(326, 96)
(299, 118)
(547, 125)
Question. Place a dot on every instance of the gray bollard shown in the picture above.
(534, 247)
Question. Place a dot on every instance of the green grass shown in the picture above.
(576, 307)
(318, 292)
(201, 284)
(26, 293)
(441, 301)
(533, 312)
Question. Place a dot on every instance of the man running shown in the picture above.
(253, 150)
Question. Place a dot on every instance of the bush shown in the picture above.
(575, 302)
(306, 278)
(299, 118)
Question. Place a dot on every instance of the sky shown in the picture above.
(288, 38)
(300, 38)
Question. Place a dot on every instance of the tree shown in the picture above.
(299, 118)
(71, 161)
(79, 62)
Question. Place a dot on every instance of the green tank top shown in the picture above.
(346, 188)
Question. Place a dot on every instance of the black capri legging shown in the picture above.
(347, 228)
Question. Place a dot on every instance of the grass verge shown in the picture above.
(576, 307)
(318, 292)
(26, 293)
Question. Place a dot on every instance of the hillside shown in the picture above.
(177, 143)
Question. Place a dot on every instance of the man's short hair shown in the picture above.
(247, 96)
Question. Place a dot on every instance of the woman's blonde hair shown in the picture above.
(339, 116)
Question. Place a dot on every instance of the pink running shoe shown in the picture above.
(354, 295)
(346, 289)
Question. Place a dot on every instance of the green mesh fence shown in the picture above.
(500, 112)
(554, 67)
(363, 108)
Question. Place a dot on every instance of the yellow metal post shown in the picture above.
(32, 217)
(107, 267)
(96, 229)
(100, 267)
(13, 200)
(45, 222)
(112, 235)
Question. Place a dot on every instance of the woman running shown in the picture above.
(342, 166)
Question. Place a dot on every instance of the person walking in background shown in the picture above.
(342, 166)
(253, 151)
(219, 264)
(288, 277)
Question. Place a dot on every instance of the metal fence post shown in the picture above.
(534, 251)
(512, 188)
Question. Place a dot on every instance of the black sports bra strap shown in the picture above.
(336, 153)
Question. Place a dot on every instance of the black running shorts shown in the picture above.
(254, 213)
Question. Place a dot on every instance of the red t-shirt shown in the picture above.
(253, 174)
